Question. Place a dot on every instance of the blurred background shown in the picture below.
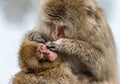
(19, 16)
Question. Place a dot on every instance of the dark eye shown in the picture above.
(49, 24)
(89, 11)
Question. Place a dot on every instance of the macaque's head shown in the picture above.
(69, 18)
(35, 57)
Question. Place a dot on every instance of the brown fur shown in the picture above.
(88, 46)
(33, 72)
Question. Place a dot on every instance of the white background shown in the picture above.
(15, 20)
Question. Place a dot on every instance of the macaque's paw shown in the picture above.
(35, 36)
(44, 54)
(55, 46)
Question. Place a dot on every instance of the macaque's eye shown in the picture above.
(49, 24)
(89, 10)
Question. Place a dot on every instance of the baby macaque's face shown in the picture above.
(44, 54)
(45, 58)
(36, 56)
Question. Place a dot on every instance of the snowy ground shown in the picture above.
(11, 36)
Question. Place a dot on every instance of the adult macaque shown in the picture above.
(80, 36)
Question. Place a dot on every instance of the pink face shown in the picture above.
(45, 54)
(58, 31)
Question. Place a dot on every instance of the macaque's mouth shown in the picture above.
(44, 61)
(58, 31)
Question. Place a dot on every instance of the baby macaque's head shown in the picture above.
(36, 57)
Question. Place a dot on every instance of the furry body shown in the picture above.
(86, 43)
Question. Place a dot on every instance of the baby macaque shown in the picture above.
(42, 66)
